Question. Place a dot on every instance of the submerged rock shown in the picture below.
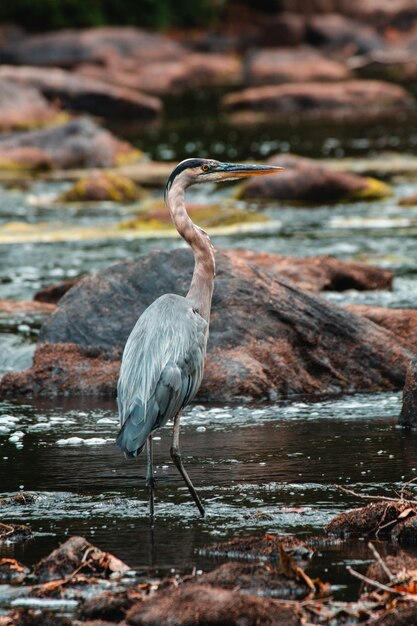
(267, 338)
(308, 180)
(343, 101)
(78, 93)
(408, 416)
(202, 605)
(78, 143)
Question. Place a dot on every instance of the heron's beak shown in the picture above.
(241, 170)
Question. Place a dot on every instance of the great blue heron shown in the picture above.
(163, 359)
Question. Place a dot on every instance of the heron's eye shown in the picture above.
(205, 168)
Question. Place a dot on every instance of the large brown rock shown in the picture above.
(285, 28)
(343, 101)
(408, 415)
(379, 13)
(285, 65)
(79, 93)
(68, 48)
(308, 180)
(313, 273)
(400, 322)
(338, 32)
(167, 76)
(23, 106)
(202, 605)
(267, 338)
(78, 143)
(324, 273)
(397, 65)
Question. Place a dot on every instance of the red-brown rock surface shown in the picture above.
(397, 65)
(400, 322)
(23, 106)
(343, 101)
(267, 338)
(26, 306)
(68, 48)
(79, 93)
(167, 76)
(201, 605)
(308, 180)
(408, 416)
(287, 65)
(78, 143)
(334, 31)
(323, 273)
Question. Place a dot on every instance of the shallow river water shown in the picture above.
(263, 468)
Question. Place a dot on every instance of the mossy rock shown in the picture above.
(102, 186)
(207, 216)
(128, 156)
(373, 190)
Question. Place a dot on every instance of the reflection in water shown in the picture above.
(258, 469)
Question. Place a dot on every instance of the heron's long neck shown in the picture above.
(202, 283)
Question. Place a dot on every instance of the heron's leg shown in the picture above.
(176, 457)
(150, 479)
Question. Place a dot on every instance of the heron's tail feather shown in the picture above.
(136, 429)
(130, 439)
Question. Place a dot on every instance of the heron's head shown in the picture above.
(192, 171)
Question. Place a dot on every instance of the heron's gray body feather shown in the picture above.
(162, 368)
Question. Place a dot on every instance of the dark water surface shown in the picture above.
(258, 469)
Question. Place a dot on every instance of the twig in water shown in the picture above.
(381, 561)
(374, 583)
(413, 480)
(366, 496)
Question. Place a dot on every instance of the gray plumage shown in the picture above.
(162, 368)
(163, 360)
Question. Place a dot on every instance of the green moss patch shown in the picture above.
(102, 186)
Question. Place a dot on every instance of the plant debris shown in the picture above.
(15, 533)
(269, 547)
(391, 518)
(76, 557)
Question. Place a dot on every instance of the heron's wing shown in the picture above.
(162, 368)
